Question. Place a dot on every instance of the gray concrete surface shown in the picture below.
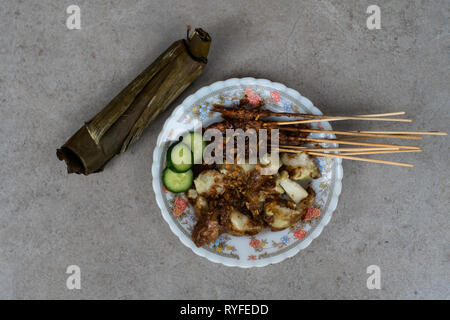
(52, 79)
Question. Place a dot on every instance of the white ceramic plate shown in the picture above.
(266, 247)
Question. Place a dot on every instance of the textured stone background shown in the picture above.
(53, 79)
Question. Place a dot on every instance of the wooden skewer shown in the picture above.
(349, 133)
(337, 119)
(305, 149)
(343, 151)
(398, 113)
(357, 143)
(378, 152)
(348, 151)
(331, 155)
(355, 139)
(434, 133)
(289, 150)
(306, 115)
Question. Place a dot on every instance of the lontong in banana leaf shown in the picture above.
(124, 119)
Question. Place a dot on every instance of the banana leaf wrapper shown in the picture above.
(124, 119)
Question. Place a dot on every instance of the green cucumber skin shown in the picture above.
(169, 151)
(169, 183)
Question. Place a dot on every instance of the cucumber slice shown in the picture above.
(179, 157)
(177, 181)
(194, 140)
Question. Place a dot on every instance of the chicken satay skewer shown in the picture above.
(257, 113)
(305, 115)
(282, 123)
